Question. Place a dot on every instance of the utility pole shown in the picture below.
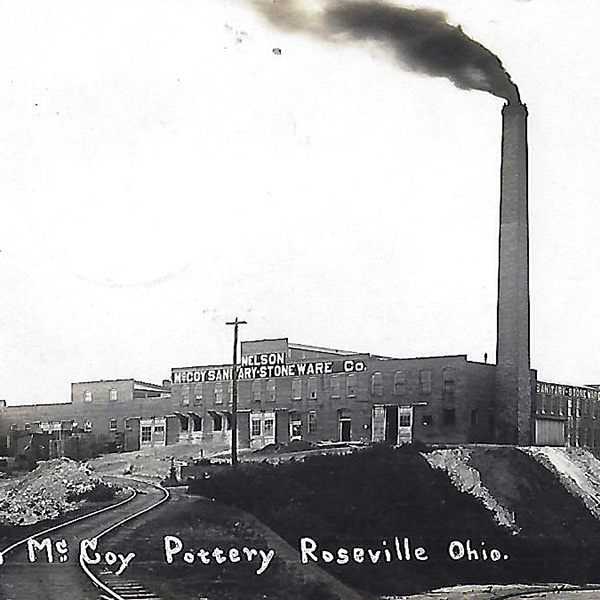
(234, 394)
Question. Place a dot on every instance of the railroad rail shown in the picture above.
(91, 526)
(116, 588)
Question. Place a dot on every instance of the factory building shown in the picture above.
(290, 392)
(102, 416)
(566, 415)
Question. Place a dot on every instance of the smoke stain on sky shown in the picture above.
(422, 40)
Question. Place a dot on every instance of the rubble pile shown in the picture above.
(55, 487)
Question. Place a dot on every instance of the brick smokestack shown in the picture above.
(513, 384)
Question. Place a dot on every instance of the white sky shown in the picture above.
(163, 171)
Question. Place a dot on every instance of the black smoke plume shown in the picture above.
(422, 40)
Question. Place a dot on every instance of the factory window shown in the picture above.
(87, 396)
(113, 396)
(127, 424)
(351, 385)
(198, 393)
(555, 407)
(196, 422)
(146, 434)
(405, 417)
(296, 388)
(183, 422)
(547, 404)
(255, 432)
(427, 420)
(425, 380)
(449, 379)
(256, 390)
(449, 416)
(377, 384)
(185, 395)
(449, 396)
(218, 393)
(159, 433)
(336, 386)
(399, 383)
(269, 426)
(578, 407)
(312, 388)
(217, 422)
(312, 421)
(474, 417)
(113, 425)
(271, 390)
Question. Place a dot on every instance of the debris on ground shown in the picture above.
(281, 447)
(53, 488)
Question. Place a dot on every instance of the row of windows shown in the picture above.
(262, 427)
(195, 423)
(222, 389)
(555, 405)
(87, 425)
(151, 433)
(113, 395)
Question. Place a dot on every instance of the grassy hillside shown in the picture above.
(370, 496)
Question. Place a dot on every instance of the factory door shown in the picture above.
(384, 424)
(378, 424)
(262, 429)
(391, 424)
(549, 432)
(345, 429)
(295, 426)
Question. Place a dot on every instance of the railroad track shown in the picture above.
(65, 579)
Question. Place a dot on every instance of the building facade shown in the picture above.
(292, 392)
(289, 392)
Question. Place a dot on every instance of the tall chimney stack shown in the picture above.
(513, 384)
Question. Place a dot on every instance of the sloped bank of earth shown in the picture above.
(368, 499)
(557, 537)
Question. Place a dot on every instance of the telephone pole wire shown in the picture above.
(234, 393)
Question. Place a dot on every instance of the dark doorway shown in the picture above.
(345, 430)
